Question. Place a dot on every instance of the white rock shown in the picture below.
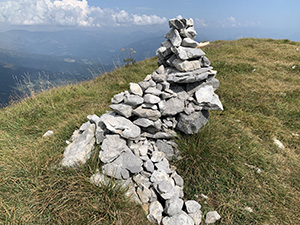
(178, 219)
(173, 206)
(112, 147)
(48, 133)
(278, 143)
(192, 206)
(212, 217)
(247, 208)
(155, 212)
(152, 99)
(208, 99)
(136, 89)
(79, 151)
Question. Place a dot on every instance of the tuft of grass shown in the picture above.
(260, 93)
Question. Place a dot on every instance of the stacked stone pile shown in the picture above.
(135, 138)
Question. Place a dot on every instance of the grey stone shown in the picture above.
(178, 180)
(188, 42)
(164, 51)
(118, 98)
(190, 77)
(171, 59)
(212, 217)
(99, 134)
(135, 89)
(149, 106)
(142, 181)
(205, 61)
(152, 83)
(158, 176)
(132, 195)
(157, 156)
(166, 44)
(133, 100)
(129, 161)
(147, 113)
(174, 37)
(112, 147)
(165, 148)
(172, 107)
(197, 217)
(159, 77)
(144, 84)
(115, 170)
(143, 122)
(184, 65)
(122, 109)
(190, 124)
(83, 127)
(185, 53)
(157, 124)
(177, 23)
(121, 125)
(193, 87)
(149, 166)
(155, 212)
(163, 166)
(153, 91)
(208, 99)
(79, 151)
(192, 206)
(173, 206)
(189, 32)
(181, 218)
(180, 92)
(144, 195)
(166, 190)
(152, 99)
(143, 150)
(161, 69)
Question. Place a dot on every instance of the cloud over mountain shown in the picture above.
(69, 13)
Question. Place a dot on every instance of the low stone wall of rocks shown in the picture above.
(135, 138)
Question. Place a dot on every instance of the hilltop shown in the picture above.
(233, 160)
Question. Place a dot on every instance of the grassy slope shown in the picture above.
(259, 106)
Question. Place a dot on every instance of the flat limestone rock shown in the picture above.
(184, 65)
(173, 206)
(172, 107)
(188, 42)
(133, 100)
(120, 125)
(79, 151)
(112, 147)
(190, 124)
(212, 217)
(174, 37)
(122, 109)
(192, 206)
(181, 218)
(185, 53)
(129, 161)
(135, 89)
(143, 122)
(155, 212)
(165, 148)
(189, 77)
(206, 97)
(147, 113)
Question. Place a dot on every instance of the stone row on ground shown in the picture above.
(135, 138)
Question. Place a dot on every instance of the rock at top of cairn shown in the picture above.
(181, 51)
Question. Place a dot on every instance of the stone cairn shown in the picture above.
(135, 138)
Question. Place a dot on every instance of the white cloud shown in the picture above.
(69, 13)
(200, 23)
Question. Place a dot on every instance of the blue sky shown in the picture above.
(276, 16)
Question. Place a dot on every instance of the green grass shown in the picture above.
(258, 106)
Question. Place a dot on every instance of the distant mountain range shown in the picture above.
(66, 56)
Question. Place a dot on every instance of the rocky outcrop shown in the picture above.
(134, 139)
